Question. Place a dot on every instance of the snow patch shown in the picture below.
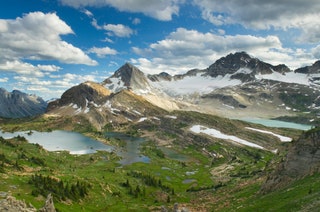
(137, 112)
(115, 85)
(217, 134)
(170, 117)
(282, 138)
(289, 77)
(142, 119)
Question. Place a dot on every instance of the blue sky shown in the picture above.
(48, 46)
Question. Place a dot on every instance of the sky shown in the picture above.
(48, 46)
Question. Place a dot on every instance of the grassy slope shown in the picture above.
(230, 182)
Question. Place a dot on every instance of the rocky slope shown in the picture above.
(100, 106)
(17, 104)
(11, 204)
(303, 159)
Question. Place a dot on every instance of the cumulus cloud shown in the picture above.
(118, 30)
(260, 14)
(5, 79)
(27, 68)
(55, 85)
(36, 36)
(184, 49)
(162, 10)
(102, 52)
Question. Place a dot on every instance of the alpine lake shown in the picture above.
(78, 144)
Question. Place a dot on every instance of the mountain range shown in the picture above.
(235, 86)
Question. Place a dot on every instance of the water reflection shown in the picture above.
(131, 152)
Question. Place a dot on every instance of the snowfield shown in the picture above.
(217, 134)
(282, 138)
(192, 84)
(290, 77)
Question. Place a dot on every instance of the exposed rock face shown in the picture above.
(82, 95)
(313, 69)
(11, 204)
(17, 104)
(126, 77)
(162, 76)
(302, 159)
(48, 206)
(232, 63)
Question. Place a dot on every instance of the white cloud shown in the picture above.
(27, 68)
(316, 51)
(36, 36)
(136, 21)
(259, 14)
(162, 10)
(107, 40)
(5, 79)
(102, 52)
(49, 68)
(118, 30)
(50, 87)
(186, 49)
(87, 12)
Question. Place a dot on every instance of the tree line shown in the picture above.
(59, 189)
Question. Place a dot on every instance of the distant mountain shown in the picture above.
(242, 66)
(17, 104)
(313, 69)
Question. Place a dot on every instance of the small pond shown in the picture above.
(172, 154)
(131, 152)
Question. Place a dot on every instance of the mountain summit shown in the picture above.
(126, 77)
(242, 66)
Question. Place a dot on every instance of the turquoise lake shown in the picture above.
(277, 123)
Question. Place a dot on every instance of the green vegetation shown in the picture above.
(201, 172)
(59, 189)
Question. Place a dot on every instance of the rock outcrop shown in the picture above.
(11, 204)
(48, 206)
(303, 159)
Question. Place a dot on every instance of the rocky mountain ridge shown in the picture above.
(237, 85)
(17, 104)
(237, 81)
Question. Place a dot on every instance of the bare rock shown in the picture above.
(49, 206)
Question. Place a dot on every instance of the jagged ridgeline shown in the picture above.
(17, 104)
